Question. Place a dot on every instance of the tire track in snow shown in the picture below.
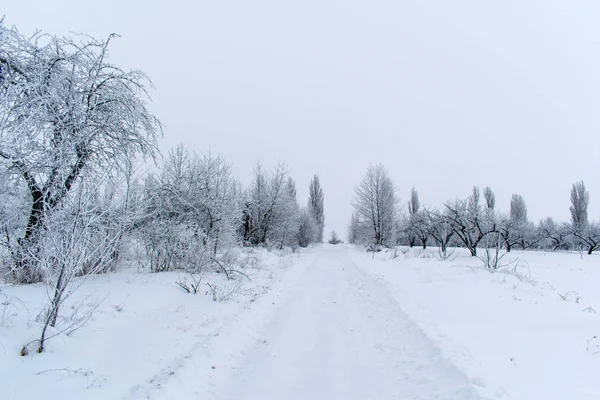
(341, 335)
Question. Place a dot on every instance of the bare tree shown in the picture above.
(316, 205)
(376, 203)
(493, 250)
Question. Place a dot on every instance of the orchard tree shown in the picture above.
(440, 229)
(554, 235)
(470, 222)
(517, 230)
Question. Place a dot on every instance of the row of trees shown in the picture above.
(195, 210)
(472, 222)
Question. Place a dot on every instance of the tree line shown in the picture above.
(472, 222)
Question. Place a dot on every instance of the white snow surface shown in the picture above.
(332, 322)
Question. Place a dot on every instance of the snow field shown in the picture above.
(144, 328)
(523, 331)
(332, 322)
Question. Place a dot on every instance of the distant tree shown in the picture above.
(273, 208)
(517, 230)
(421, 227)
(376, 203)
(288, 222)
(414, 204)
(413, 212)
(518, 209)
(333, 239)
(440, 229)
(586, 235)
(308, 229)
(316, 206)
(356, 229)
(554, 235)
(490, 198)
(579, 206)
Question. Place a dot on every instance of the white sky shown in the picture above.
(446, 94)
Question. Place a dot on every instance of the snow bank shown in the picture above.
(143, 331)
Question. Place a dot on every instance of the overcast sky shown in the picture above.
(446, 94)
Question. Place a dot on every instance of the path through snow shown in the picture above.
(335, 334)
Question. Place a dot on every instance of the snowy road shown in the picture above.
(339, 334)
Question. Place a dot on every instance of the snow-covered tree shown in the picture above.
(440, 229)
(518, 209)
(272, 212)
(316, 205)
(418, 223)
(580, 198)
(585, 235)
(490, 198)
(413, 211)
(517, 230)
(470, 222)
(334, 239)
(307, 228)
(375, 202)
(354, 229)
(65, 112)
(554, 235)
(192, 211)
